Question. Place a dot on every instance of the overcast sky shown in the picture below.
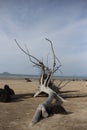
(64, 22)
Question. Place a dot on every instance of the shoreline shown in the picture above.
(23, 77)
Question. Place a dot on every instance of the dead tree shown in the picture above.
(46, 84)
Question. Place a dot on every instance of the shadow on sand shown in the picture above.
(21, 97)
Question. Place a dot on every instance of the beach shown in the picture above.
(17, 114)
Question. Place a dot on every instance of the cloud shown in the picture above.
(30, 22)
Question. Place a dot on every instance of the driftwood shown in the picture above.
(6, 93)
(46, 84)
(42, 108)
(28, 80)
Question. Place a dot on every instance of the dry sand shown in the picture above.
(18, 114)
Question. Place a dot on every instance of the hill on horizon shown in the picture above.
(5, 73)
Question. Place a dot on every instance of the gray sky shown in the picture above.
(31, 21)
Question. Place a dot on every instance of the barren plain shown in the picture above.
(18, 114)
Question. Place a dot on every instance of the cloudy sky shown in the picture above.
(30, 21)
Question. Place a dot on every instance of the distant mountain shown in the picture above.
(5, 73)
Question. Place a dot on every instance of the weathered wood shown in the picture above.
(28, 80)
(45, 82)
(49, 91)
(41, 110)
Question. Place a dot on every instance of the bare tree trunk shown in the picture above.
(42, 108)
(46, 75)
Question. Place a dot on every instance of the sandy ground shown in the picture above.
(18, 114)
